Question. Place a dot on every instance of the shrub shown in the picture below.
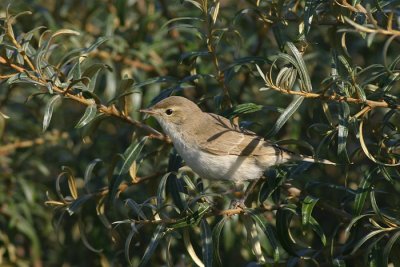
(318, 77)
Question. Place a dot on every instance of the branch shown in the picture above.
(108, 110)
(336, 98)
(52, 137)
(125, 60)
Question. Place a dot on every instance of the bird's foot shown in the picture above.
(238, 203)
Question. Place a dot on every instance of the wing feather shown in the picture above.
(228, 139)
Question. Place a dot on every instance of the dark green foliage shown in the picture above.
(86, 180)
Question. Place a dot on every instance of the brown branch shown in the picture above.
(52, 137)
(10, 35)
(14, 66)
(125, 60)
(336, 98)
(108, 110)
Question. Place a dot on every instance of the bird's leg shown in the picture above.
(250, 188)
(240, 202)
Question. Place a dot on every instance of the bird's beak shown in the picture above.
(148, 111)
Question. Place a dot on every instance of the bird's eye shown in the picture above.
(168, 111)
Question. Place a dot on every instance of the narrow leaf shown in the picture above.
(305, 77)
(253, 238)
(284, 117)
(307, 208)
(269, 232)
(207, 243)
(88, 116)
(89, 172)
(129, 156)
(388, 247)
(190, 249)
(49, 110)
(344, 112)
(362, 192)
(215, 237)
(155, 240)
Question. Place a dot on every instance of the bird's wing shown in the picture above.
(228, 139)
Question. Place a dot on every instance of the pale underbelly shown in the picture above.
(221, 167)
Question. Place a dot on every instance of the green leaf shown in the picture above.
(366, 238)
(190, 249)
(215, 237)
(190, 56)
(192, 219)
(89, 172)
(88, 116)
(286, 77)
(305, 77)
(76, 204)
(155, 240)
(354, 221)
(309, 11)
(388, 247)
(96, 44)
(84, 238)
(136, 208)
(317, 229)
(130, 155)
(338, 263)
(243, 109)
(128, 241)
(48, 111)
(283, 218)
(207, 243)
(284, 117)
(161, 192)
(269, 233)
(307, 208)
(375, 207)
(362, 192)
(92, 72)
(181, 19)
(343, 130)
(253, 238)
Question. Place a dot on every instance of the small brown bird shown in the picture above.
(215, 148)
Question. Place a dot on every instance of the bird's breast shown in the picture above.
(218, 167)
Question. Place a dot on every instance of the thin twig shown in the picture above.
(336, 98)
(50, 138)
(108, 110)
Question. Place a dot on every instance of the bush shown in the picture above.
(85, 181)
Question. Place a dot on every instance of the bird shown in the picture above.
(214, 147)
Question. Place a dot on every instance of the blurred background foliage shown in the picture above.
(86, 182)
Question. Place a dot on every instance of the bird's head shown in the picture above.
(174, 113)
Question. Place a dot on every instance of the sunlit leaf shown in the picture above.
(207, 243)
(283, 218)
(130, 155)
(190, 249)
(362, 192)
(344, 112)
(88, 116)
(253, 238)
(366, 238)
(269, 233)
(388, 247)
(89, 172)
(305, 77)
(155, 240)
(216, 233)
(284, 117)
(48, 110)
(306, 209)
